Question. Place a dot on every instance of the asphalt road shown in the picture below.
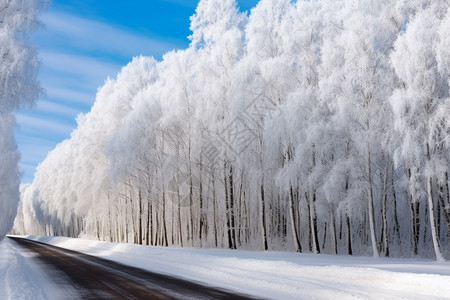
(97, 278)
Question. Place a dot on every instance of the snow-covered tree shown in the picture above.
(419, 107)
(18, 88)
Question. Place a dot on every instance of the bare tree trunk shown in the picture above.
(384, 232)
(415, 220)
(110, 224)
(140, 218)
(215, 208)
(232, 212)
(313, 221)
(157, 226)
(349, 236)
(445, 204)
(415, 225)
(310, 234)
(298, 247)
(202, 218)
(313, 214)
(239, 225)
(149, 223)
(126, 219)
(180, 231)
(394, 199)
(164, 227)
(227, 208)
(191, 207)
(371, 210)
(437, 249)
(333, 229)
(263, 217)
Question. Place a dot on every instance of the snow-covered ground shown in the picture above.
(276, 275)
(22, 278)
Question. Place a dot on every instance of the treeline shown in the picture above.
(311, 126)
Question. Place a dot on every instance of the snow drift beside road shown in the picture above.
(281, 275)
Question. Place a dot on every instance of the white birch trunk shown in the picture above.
(437, 249)
(371, 211)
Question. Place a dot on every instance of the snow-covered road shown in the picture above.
(22, 278)
(90, 277)
(280, 275)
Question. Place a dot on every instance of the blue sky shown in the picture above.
(83, 43)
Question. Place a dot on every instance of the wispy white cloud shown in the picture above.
(80, 71)
(49, 107)
(67, 30)
(34, 149)
(69, 96)
(40, 127)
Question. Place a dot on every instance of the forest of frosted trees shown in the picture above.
(311, 126)
(18, 88)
